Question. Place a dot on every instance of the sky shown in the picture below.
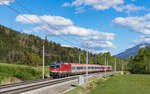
(103, 25)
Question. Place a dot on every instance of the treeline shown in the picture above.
(141, 62)
(19, 48)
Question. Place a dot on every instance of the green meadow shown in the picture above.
(125, 84)
(117, 84)
(13, 73)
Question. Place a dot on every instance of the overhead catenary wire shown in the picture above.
(18, 12)
(28, 10)
(15, 10)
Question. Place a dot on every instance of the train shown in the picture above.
(59, 69)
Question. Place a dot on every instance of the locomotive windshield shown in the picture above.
(55, 66)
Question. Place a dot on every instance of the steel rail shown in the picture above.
(32, 87)
(22, 83)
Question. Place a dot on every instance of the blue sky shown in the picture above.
(106, 25)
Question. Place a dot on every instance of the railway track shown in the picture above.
(22, 83)
(24, 87)
(21, 87)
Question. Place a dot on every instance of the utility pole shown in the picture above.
(105, 65)
(122, 67)
(87, 63)
(107, 61)
(115, 65)
(79, 58)
(43, 59)
(95, 59)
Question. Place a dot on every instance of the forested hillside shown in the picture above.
(26, 49)
(141, 62)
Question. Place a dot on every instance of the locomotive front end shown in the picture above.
(59, 69)
(55, 70)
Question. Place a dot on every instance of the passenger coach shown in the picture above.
(67, 69)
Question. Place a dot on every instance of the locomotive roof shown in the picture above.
(84, 64)
(76, 64)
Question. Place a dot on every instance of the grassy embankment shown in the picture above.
(14, 73)
(117, 84)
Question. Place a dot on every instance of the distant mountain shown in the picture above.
(132, 51)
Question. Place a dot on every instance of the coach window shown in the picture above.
(73, 68)
(79, 67)
(90, 67)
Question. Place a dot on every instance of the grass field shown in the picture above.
(13, 73)
(125, 84)
(117, 84)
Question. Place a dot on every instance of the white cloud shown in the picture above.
(98, 4)
(66, 4)
(142, 39)
(138, 24)
(80, 10)
(64, 45)
(98, 45)
(28, 19)
(57, 25)
(118, 5)
(98, 51)
(6, 2)
(52, 20)
(129, 8)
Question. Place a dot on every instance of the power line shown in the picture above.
(28, 10)
(13, 9)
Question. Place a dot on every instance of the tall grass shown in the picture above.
(21, 72)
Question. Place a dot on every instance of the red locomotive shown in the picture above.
(67, 69)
